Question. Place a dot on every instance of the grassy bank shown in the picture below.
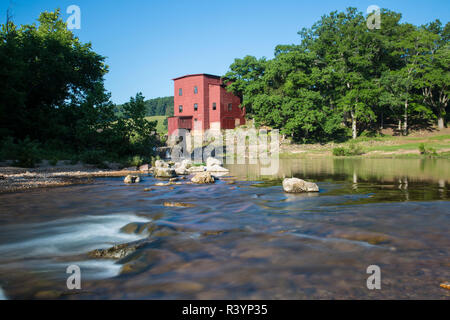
(418, 145)
(160, 127)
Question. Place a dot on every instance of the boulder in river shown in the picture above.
(144, 167)
(132, 179)
(187, 163)
(164, 172)
(216, 168)
(295, 185)
(161, 164)
(213, 161)
(195, 169)
(181, 170)
(203, 178)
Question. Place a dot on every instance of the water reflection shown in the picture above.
(383, 170)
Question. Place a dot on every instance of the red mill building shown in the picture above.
(201, 103)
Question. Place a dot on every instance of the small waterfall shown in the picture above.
(2, 295)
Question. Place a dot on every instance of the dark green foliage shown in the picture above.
(25, 153)
(344, 79)
(53, 102)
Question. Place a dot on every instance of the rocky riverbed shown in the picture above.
(241, 237)
(16, 179)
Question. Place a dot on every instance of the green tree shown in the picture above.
(140, 132)
(435, 75)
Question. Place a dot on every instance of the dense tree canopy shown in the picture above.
(344, 78)
(52, 93)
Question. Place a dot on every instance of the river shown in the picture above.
(244, 239)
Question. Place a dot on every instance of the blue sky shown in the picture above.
(147, 43)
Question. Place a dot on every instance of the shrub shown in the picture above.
(25, 153)
(136, 161)
(53, 162)
(352, 150)
(339, 151)
(96, 157)
(427, 151)
(422, 149)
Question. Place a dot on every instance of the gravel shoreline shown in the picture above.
(13, 179)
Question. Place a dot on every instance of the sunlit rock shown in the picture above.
(196, 169)
(213, 161)
(164, 172)
(132, 179)
(203, 178)
(161, 164)
(216, 168)
(295, 185)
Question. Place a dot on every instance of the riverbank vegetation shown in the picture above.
(53, 104)
(417, 145)
(346, 80)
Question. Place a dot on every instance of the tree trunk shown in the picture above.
(399, 126)
(405, 124)
(354, 132)
(441, 123)
(382, 123)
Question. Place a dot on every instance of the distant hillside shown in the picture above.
(162, 106)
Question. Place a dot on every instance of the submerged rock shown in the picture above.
(116, 252)
(445, 285)
(132, 179)
(47, 295)
(294, 185)
(178, 204)
(370, 238)
(162, 184)
(135, 227)
(202, 178)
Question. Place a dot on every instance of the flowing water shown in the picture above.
(241, 240)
